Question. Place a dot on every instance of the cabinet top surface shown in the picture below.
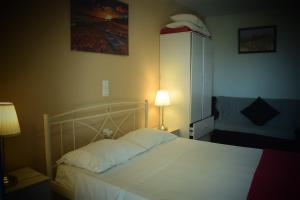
(26, 177)
(185, 33)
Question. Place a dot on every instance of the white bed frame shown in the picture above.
(80, 117)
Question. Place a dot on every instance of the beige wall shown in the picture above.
(39, 72)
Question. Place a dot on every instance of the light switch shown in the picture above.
(105, 88)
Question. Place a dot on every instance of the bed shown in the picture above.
(164, 166)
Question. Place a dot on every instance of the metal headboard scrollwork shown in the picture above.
(70, 130)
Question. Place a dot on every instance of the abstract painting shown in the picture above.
(99, 26)
(257, 39)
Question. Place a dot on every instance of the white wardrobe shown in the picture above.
(186, 72)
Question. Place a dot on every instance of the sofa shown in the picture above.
(228, 117)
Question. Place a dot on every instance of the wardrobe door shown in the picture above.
(207, 77)
(175, 77)
(196, 77)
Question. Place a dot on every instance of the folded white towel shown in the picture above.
(188, 18)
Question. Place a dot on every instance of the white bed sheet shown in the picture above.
(180, 169)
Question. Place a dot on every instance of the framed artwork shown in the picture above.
(257, 39)
(99, 26)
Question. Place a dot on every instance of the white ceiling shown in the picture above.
(224, 7)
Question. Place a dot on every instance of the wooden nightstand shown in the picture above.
(31, 185)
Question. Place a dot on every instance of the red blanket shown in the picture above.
(174, 30)
(277, 177)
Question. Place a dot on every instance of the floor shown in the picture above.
(254, 141)
(55, 196)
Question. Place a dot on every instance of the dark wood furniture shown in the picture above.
(31, 185)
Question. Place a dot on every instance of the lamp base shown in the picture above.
(9, 181)
(163, 127)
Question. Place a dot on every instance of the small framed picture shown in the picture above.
(257, 39)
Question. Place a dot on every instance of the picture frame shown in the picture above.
(257, 39)
(99, 26)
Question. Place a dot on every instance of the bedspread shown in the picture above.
(180, 169)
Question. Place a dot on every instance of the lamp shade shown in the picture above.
(162, 98)
(9, 124)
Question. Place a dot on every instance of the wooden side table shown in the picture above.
(31, 185)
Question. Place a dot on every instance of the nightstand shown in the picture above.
(175, 132)
(31, 185)
(206, 137)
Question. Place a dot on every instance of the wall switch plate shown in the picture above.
(105, 88)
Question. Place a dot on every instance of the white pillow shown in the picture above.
(147, 137)
(101, 155)
(193, 27)
(189, 18)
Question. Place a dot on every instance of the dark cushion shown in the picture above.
(259, 112)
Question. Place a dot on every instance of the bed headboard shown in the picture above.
(73, 129)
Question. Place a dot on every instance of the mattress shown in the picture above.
(180, 169)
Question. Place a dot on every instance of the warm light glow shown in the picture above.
(162, 98)
(9, 124)
(108, 17)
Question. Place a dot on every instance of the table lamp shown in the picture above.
(162, 99)
(9, 126)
